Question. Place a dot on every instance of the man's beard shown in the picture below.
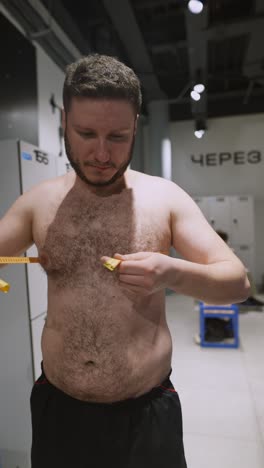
(77, 167)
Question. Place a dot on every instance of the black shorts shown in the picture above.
(143, 432)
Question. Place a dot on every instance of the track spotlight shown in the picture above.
(199, 133)
(199, 81)
(195, 6)
(200, 128)
(199, 88)
(195, 96)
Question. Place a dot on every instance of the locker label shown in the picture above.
(41, 157)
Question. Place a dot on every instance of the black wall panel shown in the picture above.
(18, 85)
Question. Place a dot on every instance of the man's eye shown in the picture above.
(118, 137)
(86, 134)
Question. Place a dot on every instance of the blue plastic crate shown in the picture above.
(225, 311)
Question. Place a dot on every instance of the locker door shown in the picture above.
(37, 325)
(36, 167)
(246, 255)
(242, 220)
(202, 202)
(219, 213)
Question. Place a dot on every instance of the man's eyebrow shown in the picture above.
(88, 129)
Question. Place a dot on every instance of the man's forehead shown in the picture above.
(88, 112)
(101, 104)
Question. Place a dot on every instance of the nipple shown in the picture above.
(44, 260)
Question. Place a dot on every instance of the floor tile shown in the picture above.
(217, 452)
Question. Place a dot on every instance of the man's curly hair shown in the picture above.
(102, 77)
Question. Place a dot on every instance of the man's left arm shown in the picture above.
(210, 270)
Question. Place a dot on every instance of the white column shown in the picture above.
(158, 162)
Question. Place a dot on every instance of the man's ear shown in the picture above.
(136, 124)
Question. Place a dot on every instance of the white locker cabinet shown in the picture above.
(36, 166)
(242, 220)
(235, 216)
(22, 166)
(216, 210)
(219, 213)
(247, 256)
(203, 204)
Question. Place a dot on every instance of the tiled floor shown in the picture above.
(221, 391)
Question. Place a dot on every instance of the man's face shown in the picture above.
(99, 138)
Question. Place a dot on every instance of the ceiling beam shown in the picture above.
(64, 19)
(124, 21)
(254, 27)
(168, 47)
(234, 28)
(254, 55)
(257, 92)
(40, 27)
(145, 5)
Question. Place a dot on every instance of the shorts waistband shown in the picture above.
(155, 391)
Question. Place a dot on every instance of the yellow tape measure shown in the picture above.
(4, 286)
(11, 260)
(111, 264)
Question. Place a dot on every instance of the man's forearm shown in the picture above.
(219, 283)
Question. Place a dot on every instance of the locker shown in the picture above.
(246, 255)
(22, 166)
(219, 213)
(203, 204)
(242, 220)
(234, 215)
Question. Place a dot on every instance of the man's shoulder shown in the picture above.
(155, 182)
(43, 195)
(51, 186)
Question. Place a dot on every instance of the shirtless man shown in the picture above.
(105, 397)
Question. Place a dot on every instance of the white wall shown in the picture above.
(239, 175)
(50, 81)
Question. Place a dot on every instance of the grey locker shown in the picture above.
(22, 166)
(219, 213)
(242, 220)
(234, 215)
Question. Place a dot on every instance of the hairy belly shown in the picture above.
(108, 356)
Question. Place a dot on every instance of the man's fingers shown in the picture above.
(133, 280)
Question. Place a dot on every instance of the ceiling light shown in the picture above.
(199, 88)
(199, 133)
(195, 6)
(195, 96)
(200, 127)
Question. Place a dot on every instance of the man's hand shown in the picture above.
(142, 273)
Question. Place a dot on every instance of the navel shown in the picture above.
(90, 363)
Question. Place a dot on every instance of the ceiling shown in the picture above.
(168, 47)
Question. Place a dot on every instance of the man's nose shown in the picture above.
(102, 152)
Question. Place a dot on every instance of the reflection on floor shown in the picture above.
(221, 390)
